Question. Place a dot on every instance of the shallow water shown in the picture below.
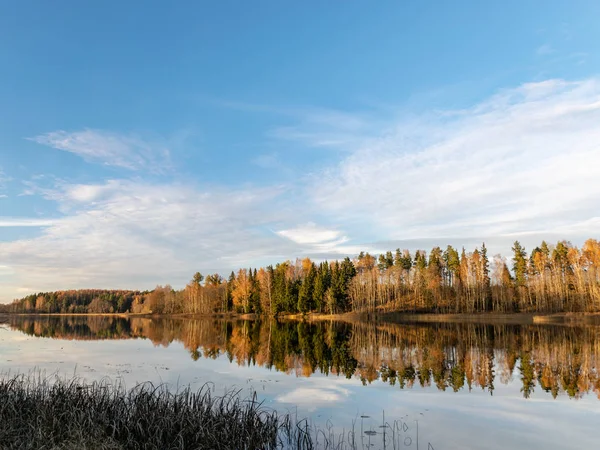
(445, 386)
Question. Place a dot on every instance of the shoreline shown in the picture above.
(378, 317)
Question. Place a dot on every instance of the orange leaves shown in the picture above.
(306, 265)
(241, 289)
(591, 253)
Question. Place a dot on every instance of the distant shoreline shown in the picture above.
(379, 317)
(485, 318)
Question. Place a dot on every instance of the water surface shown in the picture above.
(447, 386)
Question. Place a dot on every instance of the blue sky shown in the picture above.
(142, 141)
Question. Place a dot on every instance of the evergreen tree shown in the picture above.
(305, 293)
(389, 260)
(407, 261)
(398, 258)
(487, 287)
(420, 260)
(254, 293)
(321, 285)
(229, 292)
(381, 263)
(279, 298)
(198, 278)
(527, 370)
(336, 294)
(560, 257)
(452, 261)
(519, 264)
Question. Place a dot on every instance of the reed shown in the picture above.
(40, 412)
(37, 412)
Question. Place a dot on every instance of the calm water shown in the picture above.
(447, 386)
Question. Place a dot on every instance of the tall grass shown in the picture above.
(38, 412)
(54, 413)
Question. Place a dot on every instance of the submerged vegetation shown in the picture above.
(559, 278)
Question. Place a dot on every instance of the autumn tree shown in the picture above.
(241, 291)
(265, 284)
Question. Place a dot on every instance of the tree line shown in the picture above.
(552, 278)
(80, 301)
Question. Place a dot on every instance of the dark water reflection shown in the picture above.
(452, 357)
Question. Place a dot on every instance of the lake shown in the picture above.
(443, 386)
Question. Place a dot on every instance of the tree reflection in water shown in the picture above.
(450, 356)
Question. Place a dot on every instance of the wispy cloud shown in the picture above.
(315, 240)
(313, 126)
(25, 222)
(524, 162)
(580, 58)
(327, 128)
(525, 159)
(544, 49)
(3, 180)
(134, 234)
(112, 149)
(131, 233)
(268, 161)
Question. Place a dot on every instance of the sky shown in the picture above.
(143, 141)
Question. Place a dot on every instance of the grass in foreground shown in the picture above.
(42, 413)
(38, 412)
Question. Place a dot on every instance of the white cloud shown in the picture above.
(523, 164)
(25, 222)
(112, 149)
(311, 234)
(134, 234)
(318, 241)
(526, 160)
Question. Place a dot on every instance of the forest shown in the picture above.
(550, 279)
